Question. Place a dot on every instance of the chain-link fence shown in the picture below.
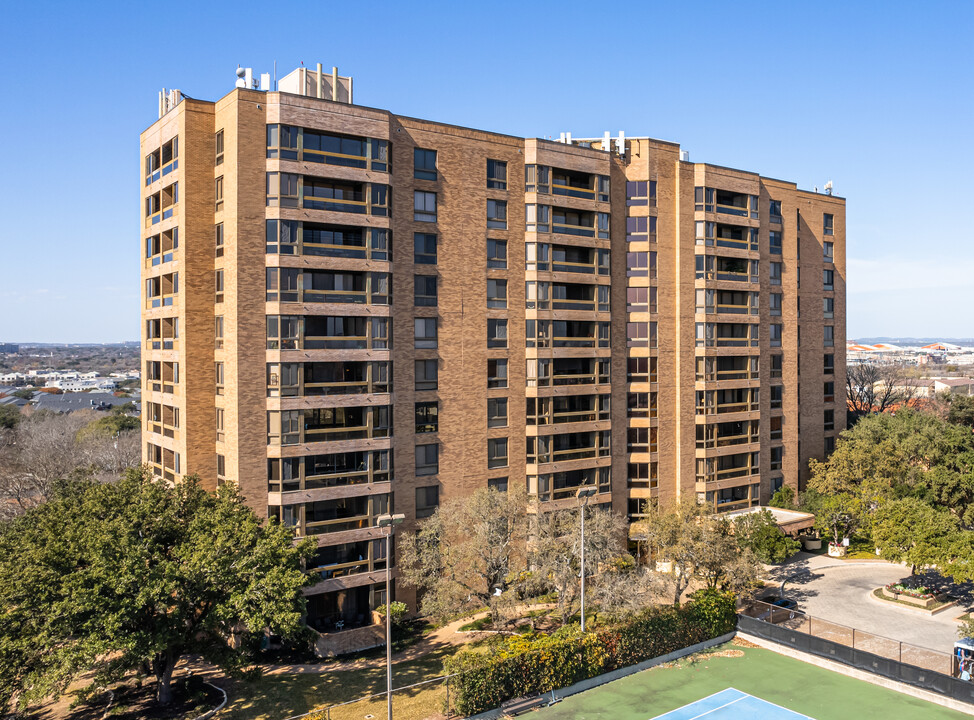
(427, 700)
(912, 664)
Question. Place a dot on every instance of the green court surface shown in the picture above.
(806, 689)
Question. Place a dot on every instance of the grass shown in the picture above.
(857, 550)
(807, 689)
(275, 697)
(479, 624)
(878, 593)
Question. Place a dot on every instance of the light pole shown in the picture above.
(389, 522)
(583, 494)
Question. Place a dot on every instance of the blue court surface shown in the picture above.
(731, 704)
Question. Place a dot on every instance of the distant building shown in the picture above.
(72, 402)
(957, 386)
(9, 348)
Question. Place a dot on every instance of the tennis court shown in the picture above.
(731, 704)
(733, 683)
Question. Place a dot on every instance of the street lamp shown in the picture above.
(582, 495)
(389, 522)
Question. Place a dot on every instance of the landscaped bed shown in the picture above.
(930, 603)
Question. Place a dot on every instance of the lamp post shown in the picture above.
(389, 522)
(583, 494)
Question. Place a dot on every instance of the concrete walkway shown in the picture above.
(841, 592)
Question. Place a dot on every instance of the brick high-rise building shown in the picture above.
(349, 311)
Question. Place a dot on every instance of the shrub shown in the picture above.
(398, 610)
(523, 666)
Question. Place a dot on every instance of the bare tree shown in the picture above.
(624, 588)
(878, 388)
(469, 548)
(556, 551)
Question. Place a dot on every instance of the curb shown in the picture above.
(218, 708)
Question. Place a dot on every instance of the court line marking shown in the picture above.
(720, 707)
(707, 697)
(782, 707)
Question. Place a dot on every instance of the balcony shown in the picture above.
(542, 449)
(327, 378)
(573, 184)
(723, 335)
(566, 334)
(314, 425)
(563, 485)
(161, 162)
(567, 409)
(161, 248)
(727, 467)
(325, 332)
(315, 472)
(294, 237)
(725, 434)
(735, 203)
(288, 142)
(721, 402)
(327, 286)
(566, 372)
(724, 368)
(289, 190)
(161, 205)
(161, 291)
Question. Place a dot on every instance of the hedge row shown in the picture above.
(520, 668)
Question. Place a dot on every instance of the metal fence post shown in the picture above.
(853, 638)
(901, 652)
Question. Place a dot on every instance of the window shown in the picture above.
(424, 164)
(776, 365)
(219, 148)
(775, 303)
(777, 453)
(497, 373)
(427, 500)
(221, 468)
(218, 193)
(829, 364)
(496, 452)
(219, 425)
(829, 334)
(827, 224)
(497, 254)
(637, 193)
(496, 412)
(427, 417)
(829, 420)
(774, 210)
(496, 333)
(499, 484)
(828, 279)
(497, 214)
(828, 251)
(775, 273)
(424, 206)
(218, 331)
(828, 307)
(537, 218)
(775, 334)
(220, 377)
(424, 248)
(828, 391)
(777, 393)
(427, 459)
(219, 240)
(776, 423)
(774, 242)
(427, 374)
(425, 333)
(424, 290)
(829, 445)
(496, 293)
(497, 174)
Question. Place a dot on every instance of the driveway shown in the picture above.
(840, 591)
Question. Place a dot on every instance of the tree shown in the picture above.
(961, 410)
(877, 388)
(911, 531)
(132, 576)
(467, 549)
(698, 544)
(784, 497)
(759, 533)
(623, 588)
(24, 393)
(556, 543)
(837, 516)
(9, 416)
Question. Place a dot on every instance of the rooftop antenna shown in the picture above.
(828, 188)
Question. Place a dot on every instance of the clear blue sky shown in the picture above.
(876, 96)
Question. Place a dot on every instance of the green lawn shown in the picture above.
(803, 688)
(275, 697)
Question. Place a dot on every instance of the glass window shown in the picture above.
(827, 224)
(828, 251)
(637, 193)
(774, 242)
(496, 333)
(497, 373)
(496, 293)
(496, 412)
(777, 394)
(497, 214)
(828, 364)
(497, 174)
(424, 290)
(776, 365)
(496, 253)
(828, 279)
(499, 484)
(775, 274)
(828, 391)
(219, 240)
(219, 148)
(424, 249)
(427, 500)
(424, 164)
(425, 333)
(829, 420)
(218, 192)
(828, 307)
(427, 417)
(496, 452)
(427, 459)
(774, 210)
(424, 206)
(829, 334)
(427, 374)
(776, 334)
(775, 303)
